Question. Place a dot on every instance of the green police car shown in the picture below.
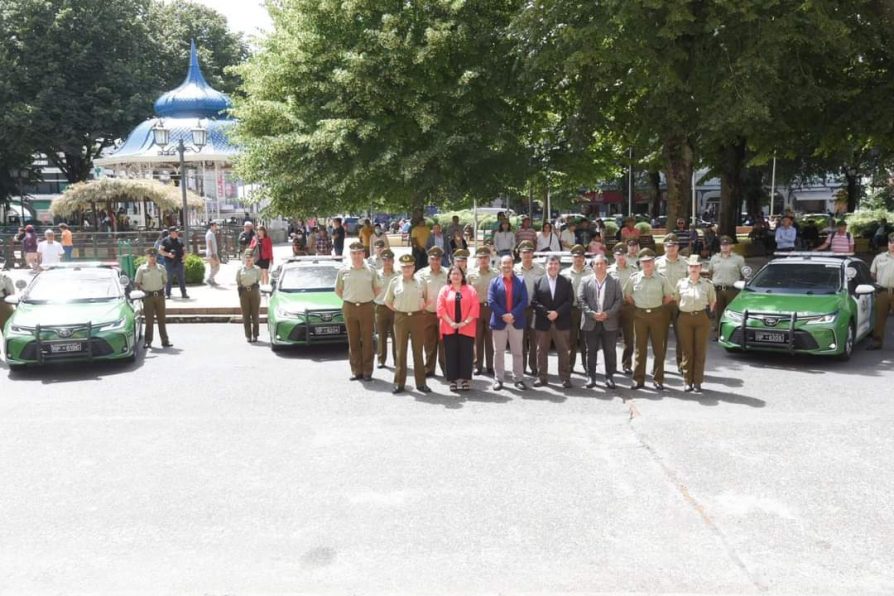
(812, 303)
(73, 313)
(303, 308)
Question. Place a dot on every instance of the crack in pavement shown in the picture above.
(699, 508)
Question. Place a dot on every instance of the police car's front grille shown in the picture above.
(100, 347)
(803, 340)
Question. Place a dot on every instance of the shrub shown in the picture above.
(863, 222)
(644, 228)
(611, 228)
(194, 266)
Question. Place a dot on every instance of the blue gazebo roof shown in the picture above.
(195, 98)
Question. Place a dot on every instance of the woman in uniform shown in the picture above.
(694, 296)
(248, 280)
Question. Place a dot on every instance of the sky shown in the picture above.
(247, 16)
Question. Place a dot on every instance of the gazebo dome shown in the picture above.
(195, 98)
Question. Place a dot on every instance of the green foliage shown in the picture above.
(194, 267)
(467, 217)
(611, 228)
(644, 228)
(863, 222)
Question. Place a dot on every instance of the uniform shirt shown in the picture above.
(622, 274)
(481, 282)
(530, 276)
(695, 296)
(357, 285)
(647, 292)
(384, 282)
(883, 269)
(674, 271)
(433, 284)
(725, 271)
(151, 279)
(247, 277)
(376, 262)
(576, 277)
(405, 295)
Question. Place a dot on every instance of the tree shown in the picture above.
(349, 103)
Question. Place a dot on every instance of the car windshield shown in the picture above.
(308, 279)
(67, 285)
(797, 278)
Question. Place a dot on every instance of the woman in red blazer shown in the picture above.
(458, 310)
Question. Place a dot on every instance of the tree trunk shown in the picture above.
(853, 191)
(754, 190)
(678, 163)
(654, 193)
(732, 162)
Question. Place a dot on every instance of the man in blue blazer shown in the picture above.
(507, 298)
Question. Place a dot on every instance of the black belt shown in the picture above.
(723, 288)
(155, 293)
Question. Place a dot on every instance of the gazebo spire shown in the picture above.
(194, 98)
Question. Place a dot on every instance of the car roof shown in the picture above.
(825, 258)
(297, 262)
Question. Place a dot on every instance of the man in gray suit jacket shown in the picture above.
(600, 299)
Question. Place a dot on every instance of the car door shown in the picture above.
(866, 302)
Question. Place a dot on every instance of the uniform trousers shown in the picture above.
(672, 315)
(458, 350)
(529, 341)
(484, 341)
(724, 297)
(250, 303)
(5, 312)
(884, 301)
(515, 338)
(360, 321)
(175, 270)
(384, 330)
(154, 308)
(408, 328)
(600, 338)
(561, 338)
(649, 325)
(627, 314)
(576, 341)
(434, 349)
(694, 330)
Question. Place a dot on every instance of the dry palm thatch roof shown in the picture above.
(83, 196)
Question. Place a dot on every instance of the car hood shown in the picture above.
(785, 303)
(31, 315)
(307, 300)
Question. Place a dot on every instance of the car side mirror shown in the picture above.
(266, 289)
(137, 295)
(864, 289)
(739, 285)
(11, 300)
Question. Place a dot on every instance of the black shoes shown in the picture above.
(430, 374)
(540, 383)
(609, 382)
(636, 386)
(689, 388)
(424, 389)
(367, 378)
(146, 346)
(355, 377)
(167, 344)
(381, 365)
(628, 371)
(491, 372)
(698, 388)
(520, 385)
(397, 389)
(590, 384)
(566, 384)
(498, 385)
(478, 372)
(658, 386)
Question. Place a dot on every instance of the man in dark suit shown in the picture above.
(552, 301)
(600, 299)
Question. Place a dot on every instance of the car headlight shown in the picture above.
(111, 325)
(732, 316)
(822, 319)
(285, 313)
(21, 330)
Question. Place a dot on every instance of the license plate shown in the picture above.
(327, 330)
(66, 348)
(769, 337)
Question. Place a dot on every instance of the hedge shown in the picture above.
(863, 223)
(194, 266)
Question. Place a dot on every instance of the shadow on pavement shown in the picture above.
(74, 372)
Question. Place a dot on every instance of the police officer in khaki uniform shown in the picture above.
(384, 315)
(726, 269)
(674, 268)
(529, 272)
(405, 296)
(357, 284)
(576, 273)
(376, 260)
(882, 270)
(434, 277)
(480, 278)
(694, 297)
(7, 288)
(461, 259)
(648, 291)
(248, 284)
(151, 279)
(622, 270)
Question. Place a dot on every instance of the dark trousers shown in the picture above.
(577, 342)
(458, 352)
(627, 312)
(484, 344)
(154, 308)
(529, 341)
(250, 303)
(175, 270)
(597, 339)
(560, 338)
(360, 323)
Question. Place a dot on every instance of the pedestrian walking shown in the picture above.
(457, 311)
(695, 297)
(405, 296)
(507, 297)
(67, 241)
(601, 301)
(726, 269)
(357, 284)
(384, 315)
(173, 250)
(882, 270)
(578, 271)
(434, 277)
(248, 284)
(674, 268)
(480, 278)
(551, 303)
(151, 279)
(529, 272)
(621, 270)
(212, 253)
(648, 291)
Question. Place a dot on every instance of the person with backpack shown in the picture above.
(840, 241)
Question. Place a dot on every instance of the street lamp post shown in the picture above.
(161, 136)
